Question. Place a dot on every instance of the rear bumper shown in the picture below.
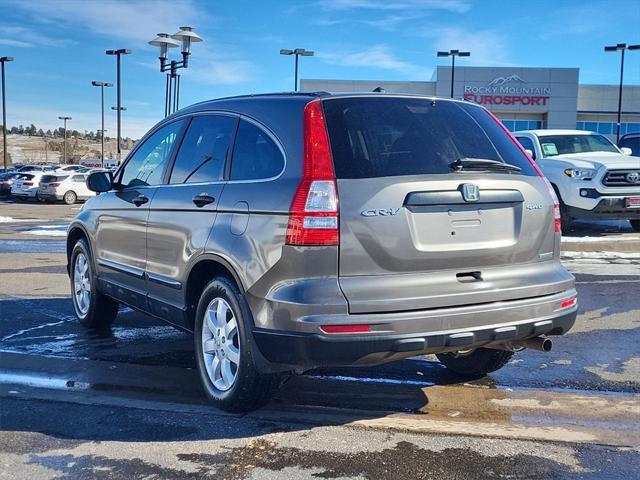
(496, 323)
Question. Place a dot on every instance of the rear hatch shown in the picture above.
(417, 232)
(47, 180)
(19, 182)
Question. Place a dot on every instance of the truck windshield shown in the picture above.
(553, 145)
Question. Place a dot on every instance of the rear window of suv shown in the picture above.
(53, 178)
(394, 136)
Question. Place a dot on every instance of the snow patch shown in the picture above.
(599, 239)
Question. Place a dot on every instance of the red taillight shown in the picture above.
(27, 184)
(54, 184)
(557, 228)
(568, 302)
(354, 328)
(313, 216)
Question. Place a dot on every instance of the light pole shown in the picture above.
(613, 48)
(64, 157)
(4, 60)
(298, 52)
(453, 54)
(186, 36)
(119, 108)
(102, 85)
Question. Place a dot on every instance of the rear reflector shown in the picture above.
(556, 204)
(568, 302)
(313, 216)
(355, 328)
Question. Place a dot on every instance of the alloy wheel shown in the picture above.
(221, 344)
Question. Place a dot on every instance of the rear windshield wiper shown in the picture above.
(482, 164)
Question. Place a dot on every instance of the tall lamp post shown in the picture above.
(453, 54)
(102, 85)
(119, 108)
(4, 60)
(298, 52)
(614, 48)
(186, 36)
(64, 157)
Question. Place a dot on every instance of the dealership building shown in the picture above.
(523, 98)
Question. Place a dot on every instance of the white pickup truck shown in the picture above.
(592, 177)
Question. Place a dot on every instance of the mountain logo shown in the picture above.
(498, 81)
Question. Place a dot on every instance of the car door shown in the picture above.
(121, 217)
(183, 211)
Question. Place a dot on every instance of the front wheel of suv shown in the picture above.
(635, 224)
(93, 309)
(475, 363)
(224, 355)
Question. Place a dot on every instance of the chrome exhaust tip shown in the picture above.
(538, 343)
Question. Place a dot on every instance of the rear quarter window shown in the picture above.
(255, 154)
(394, 136)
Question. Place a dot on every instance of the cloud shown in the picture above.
(488, 47)
(457, 6)
(134, 20)
(23, 37)
(377, 56)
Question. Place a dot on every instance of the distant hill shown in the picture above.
(39, 149)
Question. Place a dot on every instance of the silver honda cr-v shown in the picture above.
(293, 231)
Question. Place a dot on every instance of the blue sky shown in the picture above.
(59, 47)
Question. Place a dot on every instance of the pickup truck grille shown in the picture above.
(621, 178)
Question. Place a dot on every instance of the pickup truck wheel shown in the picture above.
(475, 363)
(93, 309)
(224, 353)
(565, 218)
(635, 224)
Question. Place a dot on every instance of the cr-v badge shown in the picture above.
(379, 212)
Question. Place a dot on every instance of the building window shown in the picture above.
(518, 125)
(609, 128)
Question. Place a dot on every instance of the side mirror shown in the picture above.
(626, 150)
(530, 153)
(100, 181)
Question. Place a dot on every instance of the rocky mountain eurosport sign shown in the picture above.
(510, 90)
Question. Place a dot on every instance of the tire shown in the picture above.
(70, 197)
(244, 388)
(635, 224)
(476, 363)
(565, 219)
(92, 308)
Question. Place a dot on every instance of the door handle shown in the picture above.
(140, 200)
(203, 199)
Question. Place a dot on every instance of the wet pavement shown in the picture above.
(71, 398)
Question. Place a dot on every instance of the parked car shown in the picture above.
(6, 181)
(68, 188)
(294, 231)
(632, 142)
(68, 168)
(592, 177)
(26, 185)
(37, 168)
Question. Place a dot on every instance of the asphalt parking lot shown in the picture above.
(126, 402)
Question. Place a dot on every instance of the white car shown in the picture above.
(593, 178)
(69, 168)
(26, 185)
(68, 187)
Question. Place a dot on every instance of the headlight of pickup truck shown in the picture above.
(580, 173)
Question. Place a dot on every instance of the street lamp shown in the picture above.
(119, 108)
(186, 36)
(298, 52)
(102, 85)
(614, 48)
(64, 157)
(453, 54)
(4, 60)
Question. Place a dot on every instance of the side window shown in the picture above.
(203, 152)
(147, 164)
(255, 155)
(78, 178)
(527, 144)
